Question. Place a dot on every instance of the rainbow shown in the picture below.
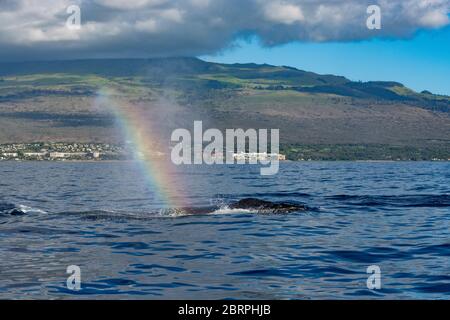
(145, 141)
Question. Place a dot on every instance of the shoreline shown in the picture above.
(282, 161)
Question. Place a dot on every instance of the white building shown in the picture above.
(10, 154)
(35, 154)
(258, 156)
(57, 155)
(96, 154)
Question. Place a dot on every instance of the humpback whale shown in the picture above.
(10, 209)
(257, 206)
(251, 205)
(263, 206)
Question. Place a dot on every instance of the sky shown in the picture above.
(421, 62)
(324, 36)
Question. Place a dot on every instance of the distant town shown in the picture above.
(72, 151)
(60, 151)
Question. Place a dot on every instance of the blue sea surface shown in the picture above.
(105, 218)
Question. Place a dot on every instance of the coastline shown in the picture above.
(299, 161)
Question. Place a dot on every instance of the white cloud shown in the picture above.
(129, 4)
(174, 15)
(147, 25)
(200, 3)
(280, 12)
(33, 29)
(434, 19)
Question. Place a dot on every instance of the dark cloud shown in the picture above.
(35, 29)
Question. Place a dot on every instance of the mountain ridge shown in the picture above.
(55, 101)
(287, 77)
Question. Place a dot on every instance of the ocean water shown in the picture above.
(105, 218)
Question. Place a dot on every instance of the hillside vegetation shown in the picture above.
(319, 116)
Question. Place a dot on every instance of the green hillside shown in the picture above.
(319, 116)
